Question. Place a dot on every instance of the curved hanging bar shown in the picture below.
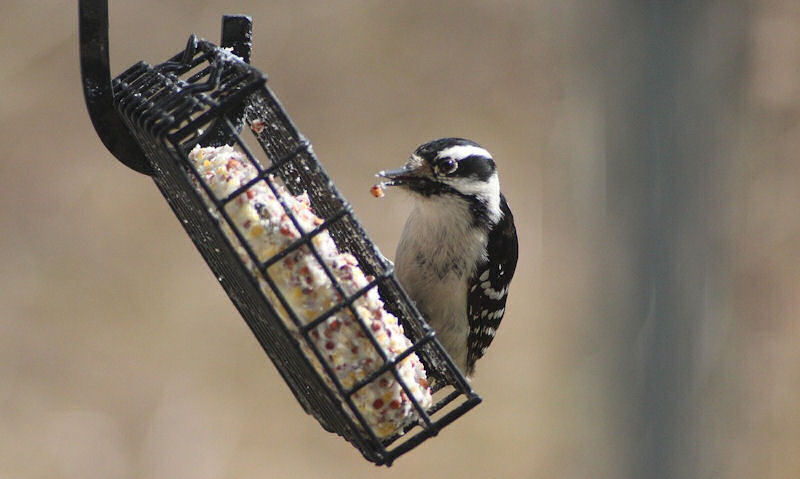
(96, 76)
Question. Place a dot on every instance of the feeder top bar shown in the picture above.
(96, 77)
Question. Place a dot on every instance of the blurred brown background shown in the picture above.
(650, 153)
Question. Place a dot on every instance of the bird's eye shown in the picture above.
(447, 166)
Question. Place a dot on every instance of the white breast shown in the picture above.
(436, 257)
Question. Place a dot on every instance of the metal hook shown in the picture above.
(96, 75)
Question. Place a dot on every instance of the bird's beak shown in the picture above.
(401, 176)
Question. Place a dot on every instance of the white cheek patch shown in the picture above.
(460, 152)
(482, 189)
(488, 190)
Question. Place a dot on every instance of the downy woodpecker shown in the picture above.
(458, 250)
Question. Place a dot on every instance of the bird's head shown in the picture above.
(448, 168)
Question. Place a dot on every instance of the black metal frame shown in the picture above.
(154, 115)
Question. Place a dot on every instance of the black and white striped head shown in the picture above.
(451, 169)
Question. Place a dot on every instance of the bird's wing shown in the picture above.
(488, 288)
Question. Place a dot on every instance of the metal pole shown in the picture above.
(662, 171)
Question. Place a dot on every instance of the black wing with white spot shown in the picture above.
(488, 289)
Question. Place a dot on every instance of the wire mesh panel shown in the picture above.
(316, 292)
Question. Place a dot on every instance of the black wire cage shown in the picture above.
(151, 117)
